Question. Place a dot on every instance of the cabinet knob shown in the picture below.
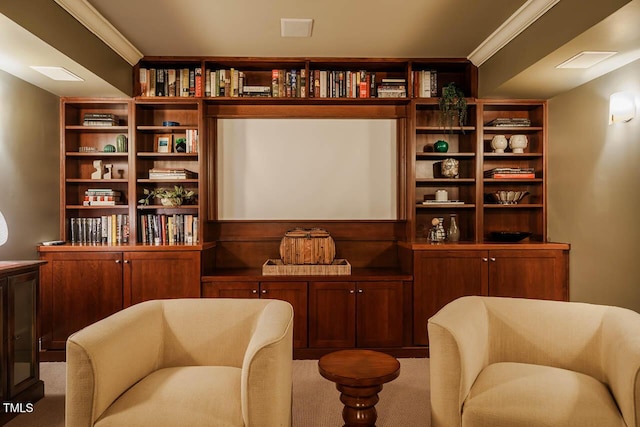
(264, 291)
(485, 259)
(493, 259)
(126, 261)
(351, 291)
(118, 261)
(360, 291)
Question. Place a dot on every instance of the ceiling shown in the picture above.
(516, 43)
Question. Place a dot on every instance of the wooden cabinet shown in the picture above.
(463, 149)
(293, 292)
(178, 124)
(478, 213)
(355, 314)
(20, 384)
(160, 274)
(89, 160)
(440, 276)
(79, 288)
(93, 159)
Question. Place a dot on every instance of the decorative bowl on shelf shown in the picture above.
(509, 197)
(508, 236)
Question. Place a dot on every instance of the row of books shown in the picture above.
(173, 82)
(167, 229)
(234, 83)
(510, 121)
(101, 197)
(342, 84)
(425, 83)
(510, 173)
(100, 119)
(168, 173)
(106, 229)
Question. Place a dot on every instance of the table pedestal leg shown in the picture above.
(359, 405)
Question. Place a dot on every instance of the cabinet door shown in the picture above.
(23, 369)
(332, 320)
(295, 293)
(538, 274)
(379, 314)
(160, 275)
(77, 289)
(240, 289)
(439, 278)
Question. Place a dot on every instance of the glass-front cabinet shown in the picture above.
(20, 384)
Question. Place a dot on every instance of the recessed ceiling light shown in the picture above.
(57, 73)
(291, 27)
(585, 59)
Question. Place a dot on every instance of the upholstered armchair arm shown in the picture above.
(109, 358)
(266, 369)
(621, 361)
(458, 351)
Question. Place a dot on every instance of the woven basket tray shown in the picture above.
(275, 267)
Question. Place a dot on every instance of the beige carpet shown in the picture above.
(404, 402)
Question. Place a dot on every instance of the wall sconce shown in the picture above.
(622, 107)
(4, 231)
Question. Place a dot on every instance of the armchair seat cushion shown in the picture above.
(194, 396)
(509, 394)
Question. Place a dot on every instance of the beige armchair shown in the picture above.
(183, 362)
(527, 363)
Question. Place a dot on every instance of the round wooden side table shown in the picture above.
(359, 376)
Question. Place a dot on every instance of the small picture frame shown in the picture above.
(164, 143)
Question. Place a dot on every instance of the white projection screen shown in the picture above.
(307, 169)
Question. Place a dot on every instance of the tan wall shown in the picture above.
(593, 193)
(29, 165)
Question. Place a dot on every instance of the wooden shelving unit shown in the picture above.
(388, 256)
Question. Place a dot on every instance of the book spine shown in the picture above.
(198, 82)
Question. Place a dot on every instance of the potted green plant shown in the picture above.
(168, 197)
(453, 107)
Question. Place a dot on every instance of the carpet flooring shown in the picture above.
(404, 402)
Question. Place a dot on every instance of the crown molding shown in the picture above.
(88, 16)
(517, 23)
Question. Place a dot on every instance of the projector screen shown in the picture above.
(306, 169)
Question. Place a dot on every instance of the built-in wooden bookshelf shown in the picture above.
(225, 259)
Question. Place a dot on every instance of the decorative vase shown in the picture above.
(450, 168)
(499, 143)
(109, 148)
(518, 143)
(454, 231)
(441, 146)
(121, 144)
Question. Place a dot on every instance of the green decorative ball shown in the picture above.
(441, 146)
(109, 148)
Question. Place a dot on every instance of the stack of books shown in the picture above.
(165, 173)
(512, 121)
(510, 173)
(392, 88)
(100, 119)
(101, 197)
